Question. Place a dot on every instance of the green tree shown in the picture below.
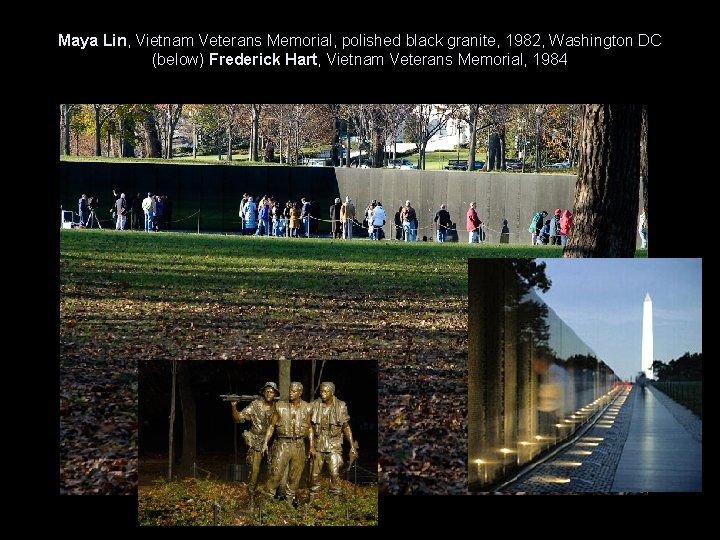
(102, 113)
(81, 123)
(686, 368)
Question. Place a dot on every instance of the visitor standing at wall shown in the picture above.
(442, 218)
(473, 224)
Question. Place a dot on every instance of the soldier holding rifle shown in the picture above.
(259, 412)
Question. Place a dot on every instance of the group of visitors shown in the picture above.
(268, 217)
(552, 231)
(156, 210)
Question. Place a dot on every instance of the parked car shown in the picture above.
(462, 165)
(401, 164)
(315, 162)
(513, 164)
(363, 164)
(559, 165)
(456, 165)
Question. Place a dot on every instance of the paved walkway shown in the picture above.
(659, 454)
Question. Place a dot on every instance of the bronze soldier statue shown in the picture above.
(329, 417)
(259, 412)
(291, 423)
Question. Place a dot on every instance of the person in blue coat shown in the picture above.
(250, 216)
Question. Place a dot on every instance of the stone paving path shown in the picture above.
(589, 465)
(644, 442)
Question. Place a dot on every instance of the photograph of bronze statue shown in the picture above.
(277, 458)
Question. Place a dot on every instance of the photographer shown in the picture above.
(92, 205)
(83, 209)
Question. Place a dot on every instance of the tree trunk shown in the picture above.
(608, 185)
(297, 140)
(335, 153)
(284, 378)
(194, 139)
(127, 148)
(280, 148)
(173, 115)
(644, 164)
(501, 149)
(494, 151)
(63, 123)
(154, 148)
(347, 154)
(187, 404)
(171, 435)
(169, 144)
(312, 379)
(379, 149)
(255, 132)
(121, 140)
(229, 144)
(487, 153)
(98, 147)
(473, 133)
(66, 128)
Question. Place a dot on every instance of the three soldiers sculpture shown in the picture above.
(323, 422)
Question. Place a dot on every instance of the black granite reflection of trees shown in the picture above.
(505, 330)
(533, 329)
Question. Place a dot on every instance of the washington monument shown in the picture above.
(647, 337)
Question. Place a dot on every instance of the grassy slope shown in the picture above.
(210, 296)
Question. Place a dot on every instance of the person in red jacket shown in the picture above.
(565, 224)
(473, 224)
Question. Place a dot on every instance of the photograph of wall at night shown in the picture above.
(532, 382)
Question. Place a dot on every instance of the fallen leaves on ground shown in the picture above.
(98, 427)
(164, 298)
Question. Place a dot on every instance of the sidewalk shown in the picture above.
(659, 454)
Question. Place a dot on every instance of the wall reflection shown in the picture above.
(531, 381)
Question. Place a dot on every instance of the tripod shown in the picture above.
(92, 216)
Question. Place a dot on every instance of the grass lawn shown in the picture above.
(191, 502)
(128, 296)
(147, 296)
